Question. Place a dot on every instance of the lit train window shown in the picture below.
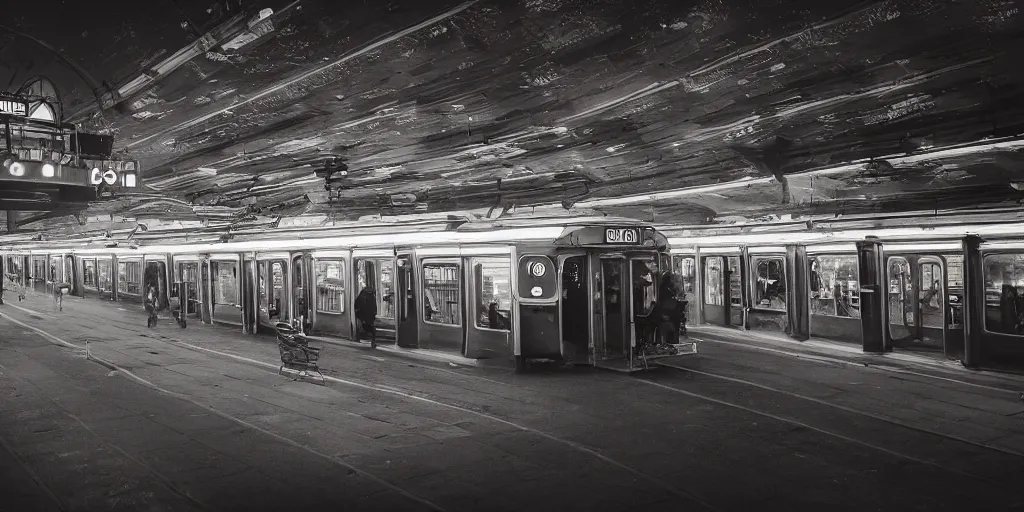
(89, 273)
(714, 281)
(834, 286)
(493, 294)
(225, 282)
(330, 286)
(1004, 286)
(129, 277)
(103, 275)
(769, 282)
(441, 293)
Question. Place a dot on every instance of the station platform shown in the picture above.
(198, 419)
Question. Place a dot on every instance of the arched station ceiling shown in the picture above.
(801, 107)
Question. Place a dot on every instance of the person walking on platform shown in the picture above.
(366, 314)
(151, 306)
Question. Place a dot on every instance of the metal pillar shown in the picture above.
(12, 221)
(797, 291)
(872, 295)
(974, 300)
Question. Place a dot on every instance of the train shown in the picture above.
(953, 291)
(574, 290)
(570, 291)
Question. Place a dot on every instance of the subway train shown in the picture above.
(954, 291)
(557, 291)
(568, 292)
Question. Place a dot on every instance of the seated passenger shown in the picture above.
(495, 319)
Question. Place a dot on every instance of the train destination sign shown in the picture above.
(621, 236)
(13, 107)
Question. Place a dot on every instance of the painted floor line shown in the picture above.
(30, 311)
(671, 489)
(820, 431)
(113, 366)
(384, 389)
(844, 408)
(880, 367)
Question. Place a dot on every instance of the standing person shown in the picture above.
(151, 306)
(366, 314)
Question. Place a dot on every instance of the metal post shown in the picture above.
(872, 298)
(974, 300)
(12, 221)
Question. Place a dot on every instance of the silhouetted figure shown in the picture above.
(495, 319)
(366, 313)
(151, 303)
(1009, 307)
(670, 310)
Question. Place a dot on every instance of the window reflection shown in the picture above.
(835, 290)
(714, 293)
(1004, 284)
(493, 294)
(330, 286)
(441, 293)
(769, 282)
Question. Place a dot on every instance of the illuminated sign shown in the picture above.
(537, 269)
(13, 107)
(621, 236)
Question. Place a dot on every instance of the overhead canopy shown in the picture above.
(728, 110)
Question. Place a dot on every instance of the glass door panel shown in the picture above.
(902, 320)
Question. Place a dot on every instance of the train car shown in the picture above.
(883, 289)
(574, 292)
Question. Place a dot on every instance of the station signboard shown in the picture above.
(13, 107)
(622, 236)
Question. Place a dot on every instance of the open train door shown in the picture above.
(302, 281)
(405, 299)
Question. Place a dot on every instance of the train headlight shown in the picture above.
(48, 170)
(95, 178)
(110, 177)
(16, 169)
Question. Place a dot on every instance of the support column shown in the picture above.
(12, 221)
(872, 295)
(205, 298)
(248, 298)
(745, 299)
(115, 278)
(797, 293)
(974, 300)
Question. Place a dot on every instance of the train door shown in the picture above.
(488, 295)
(156, 275)
(442, 324)
(301, 293)
(574, 310)
(918, 302)
(71, 274)
(56, 271)
(378, 275)
(188, 276)
(723, 290)
(614, 319)
(407, 314)
(271, 298)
